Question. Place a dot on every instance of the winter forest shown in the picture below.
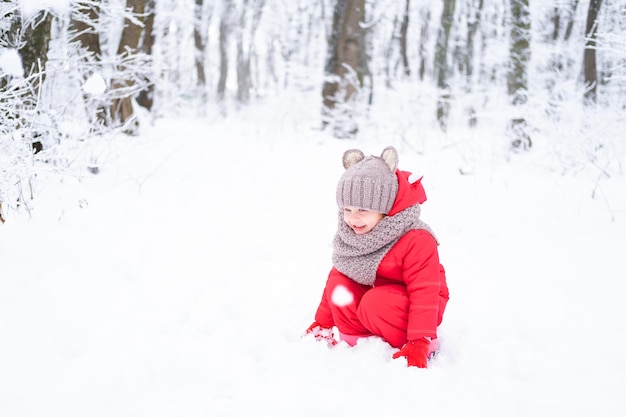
(73, 72)
(168, 172)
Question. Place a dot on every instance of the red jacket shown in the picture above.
(414, 263)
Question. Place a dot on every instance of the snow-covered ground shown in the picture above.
(178, 282)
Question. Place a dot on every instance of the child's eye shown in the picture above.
(363, 210)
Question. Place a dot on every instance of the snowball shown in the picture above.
(10, 62)
(95, 84)
(341, 296)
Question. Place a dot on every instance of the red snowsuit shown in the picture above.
(409, 296)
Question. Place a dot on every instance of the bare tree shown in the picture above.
(123, 85)
(403, 39)
(558, 61)
(145, 98)
(424, 38)
(591, 71)
(228, 9)
(22, 134)
(84, 17)
(10, 29)
(441, 63)
(36, 42)
(246, 52)
(398, 40)
(30, 38)
(11, 23)
(199, 40)
(517, 80)
(344, 67)
(475, 12)
(243, 23)
(563, 19)
(203, 13)
(84, 21)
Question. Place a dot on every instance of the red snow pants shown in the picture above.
(381, 311)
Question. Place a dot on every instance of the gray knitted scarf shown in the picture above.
(358, 256)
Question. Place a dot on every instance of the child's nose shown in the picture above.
(354, 215)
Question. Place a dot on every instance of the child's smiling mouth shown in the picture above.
(358, 228)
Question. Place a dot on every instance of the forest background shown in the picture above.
(74, 72)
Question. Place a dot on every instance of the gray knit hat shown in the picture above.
(369, 182)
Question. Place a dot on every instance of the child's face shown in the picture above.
(361, 220)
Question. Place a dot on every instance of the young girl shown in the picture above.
(386, 278)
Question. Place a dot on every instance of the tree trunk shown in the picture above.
(122, 107)
(571, 18)
(567, 13)
(474, 18)
(404, 29)
(344, 67)
(330, 87)
(10, 30)
(589, 61)
(245, 52)
(388, 54)
(145, 98)
(35, 45)
(225, 26)
(31, 38)
(243, 61)
(519, 51)
(441, 63)
(84, 19)
(424, 31)
(11, 23)
(474, 14)
(200, 39)
(563, 17)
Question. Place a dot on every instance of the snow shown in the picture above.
(95, 84)
(30, 7)
(179, 280)
(10, 62)
(341, 296)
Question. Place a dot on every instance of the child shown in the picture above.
(386, 278)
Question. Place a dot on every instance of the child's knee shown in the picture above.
(384, 312)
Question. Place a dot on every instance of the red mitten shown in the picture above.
(415, 352)
(321, 332)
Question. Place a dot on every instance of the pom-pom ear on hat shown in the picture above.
(390, 156)
(351, 157)
(369, 182)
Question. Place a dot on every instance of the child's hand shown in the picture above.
(415, 352)
(321, 332)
